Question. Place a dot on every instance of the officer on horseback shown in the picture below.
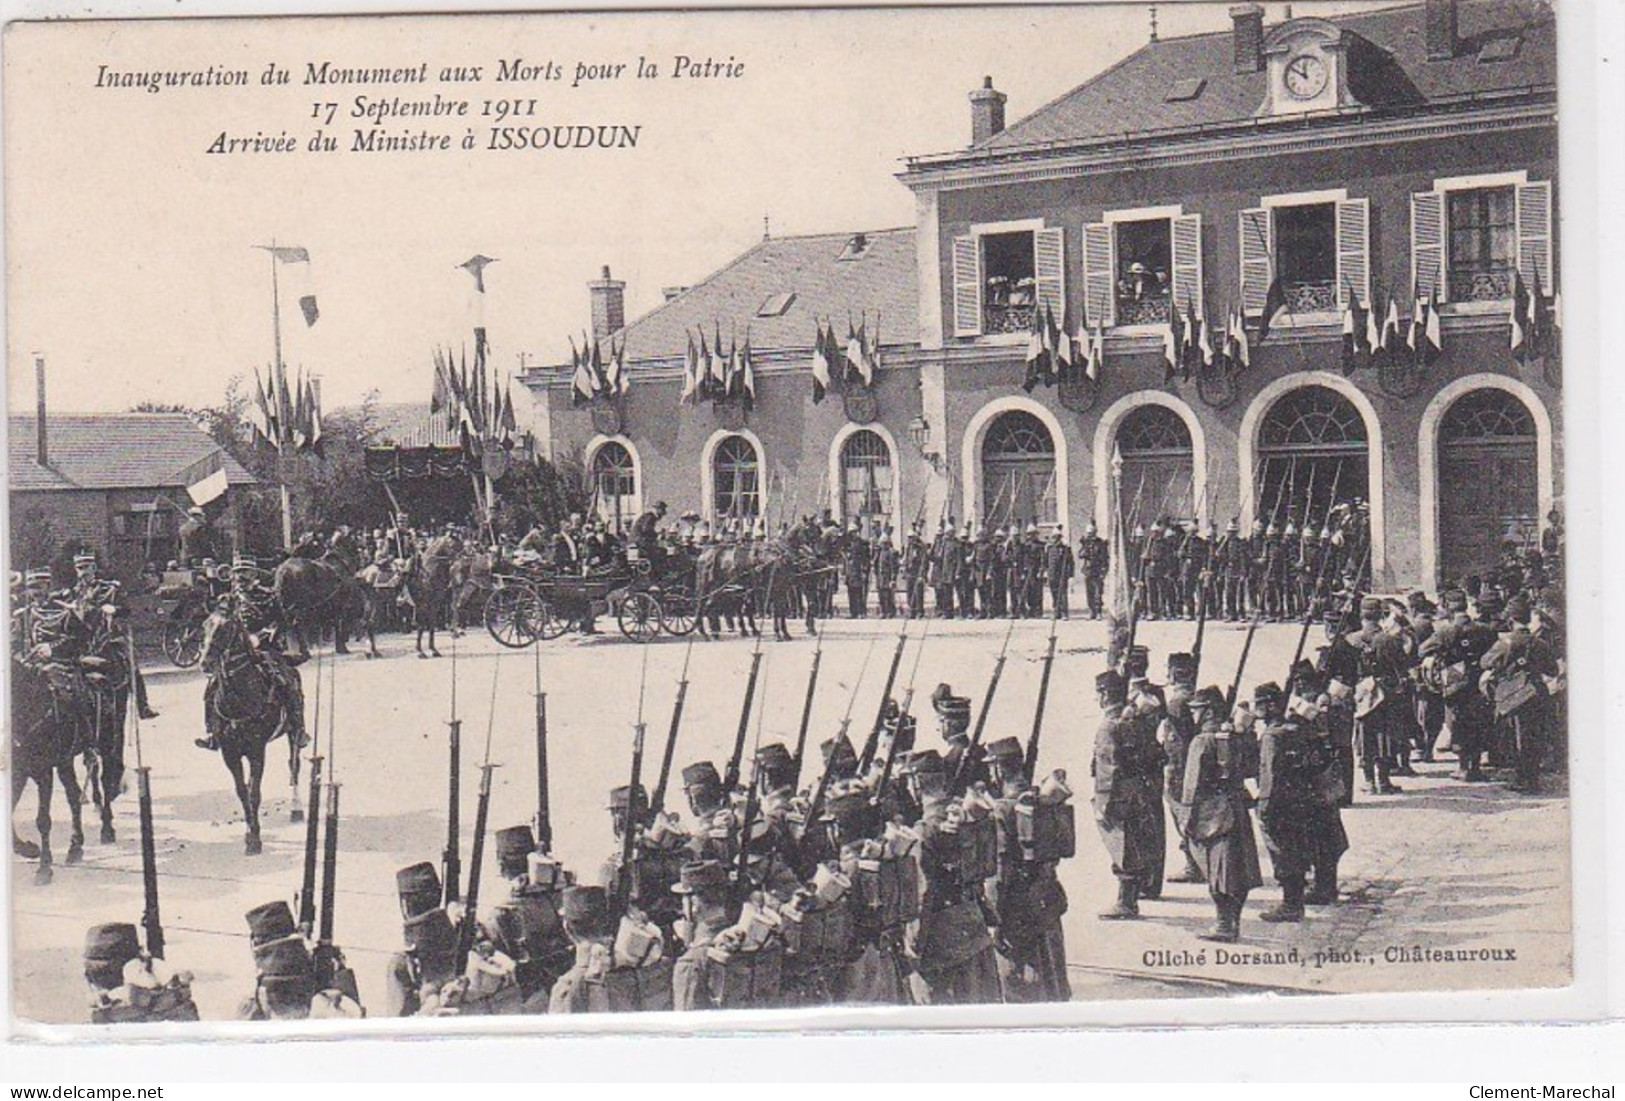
(99, 604)
(254, 605)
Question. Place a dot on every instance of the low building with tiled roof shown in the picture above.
(120, 482)
(1398, 163)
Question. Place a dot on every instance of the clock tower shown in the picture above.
(1307, 63)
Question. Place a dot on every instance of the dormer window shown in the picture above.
(775, 305)
(1004, 275)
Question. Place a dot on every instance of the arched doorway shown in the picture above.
(1018, 471)
(1488, 481)
(868, 486)
(1158, 465)
(736, 479)
(615, 485)
(1313, 453)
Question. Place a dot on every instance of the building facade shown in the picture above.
(1351, 162)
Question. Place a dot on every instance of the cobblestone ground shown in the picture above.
(1442, 868)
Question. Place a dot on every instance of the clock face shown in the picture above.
(1305, 76)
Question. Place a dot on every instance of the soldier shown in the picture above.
(711, 829)
(526, 926)
(983, 566)
(945, 570)
(875, 970)
(1147, 707)
(856, 562)
(1514, 678)
(1285, 798)
(127, 985)
(1015, 573)
(953, 722)
(957, 964)
(1257, 558)
(999, 571)
(429, 962)
(1165, 570)
(966, 576)
(1125, 781)
(657, 856)
(1032, 551)
(257, 608)
(1219, 828)
(1451, 659)
(1058, 570)
(1338, 666)
(1378, 704)
(915, 559)
(1309, 706)
(708, 909)
(1175, 733)
(1231, 562)
(100, 602)
(1027, 898)
(886, 567)
(590, 924)
(1094, 556)
(1429, 702)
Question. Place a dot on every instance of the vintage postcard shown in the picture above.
(796, 511)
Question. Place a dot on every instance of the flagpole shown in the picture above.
(282, 386)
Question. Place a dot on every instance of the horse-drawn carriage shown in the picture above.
(530, 601)
(184, 599)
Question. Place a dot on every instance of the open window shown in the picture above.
(1317, 246)
(1140, 266)
(1144, 288)
(1002, 276)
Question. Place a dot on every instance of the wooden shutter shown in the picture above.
(1099, 274)
(1353, 251)
(1427, 244)
(1257, 255)
(1049, 267)
(1535, 235)
(1187, 249)
(967, 286)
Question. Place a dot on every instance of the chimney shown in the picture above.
(1441, 29)
(608, 305)
(1247, 22)
(42, 451)
(986, 112)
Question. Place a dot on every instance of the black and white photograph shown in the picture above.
(814, 512)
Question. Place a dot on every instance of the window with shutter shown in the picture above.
(1427, 244)
(1255, 259)
(1353, 251)
(1535, 235)
(1049, 262)
(1187, 239)
(1099, 290)
(967, 286)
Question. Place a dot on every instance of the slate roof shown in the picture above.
(117, 451)
(882, 283)
(1388, 68)
(409, 424)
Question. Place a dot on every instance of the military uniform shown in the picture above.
(1515, 672)
(1094, 558)
(1233, 567)
(1027, 898)
(967, 580)
(945, 562)
(526, 926)
(1032, 553)
(914, 573)
(1220, 828)
(1175, 733)
(1126, 774)
(1293, 795)
(1379, 706)
(856, 562)
(1058, 570)
(886, 568)
(999, 567)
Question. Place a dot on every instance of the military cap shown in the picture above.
(701, 774)
(284, 956)
(1489, 603)
(1517, 609)
(1209, 698)
(838, 751)
(1268, 692)
(586, 907)
(114, 944)
(1111, 683)
(774, 755)
(37, 577)
(1233, 526)
(1181, 664)
(1370, 607)
(1305, 675)
(854, 813)
(418, 886)
(1091, 529)
(618, 797)
(1004, 751)
(700, 875)
(84, 559)
(1454, 600)
(1417, 601)
(269, 922)
(514, 846)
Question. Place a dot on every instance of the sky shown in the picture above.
(130, 257)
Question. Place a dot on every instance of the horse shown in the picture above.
(723, 586)
(324, 593)
(428, 583)
(247, 705)
(46, 726)
(471, 582)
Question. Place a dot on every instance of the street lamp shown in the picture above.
(919, 434)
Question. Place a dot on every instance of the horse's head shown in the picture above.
(221, 629)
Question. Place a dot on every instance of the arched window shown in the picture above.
(1158, 463)
(1313, 418)
(1313, 454)
(615, 486)
(1018, 471)
(1486, 416)
(736, 479)
(1488, 481)
(866, 480)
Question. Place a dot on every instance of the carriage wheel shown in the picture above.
(547, 622)
(639, 617)
(183, 641)
(508, 616)
(678, 614)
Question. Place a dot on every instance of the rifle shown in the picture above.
(1201, 616)
(806, 712)
(752, 805)
(902, 716)
(873, 743)
(331, 969)
(544, 810)
(817, 803)
(657, 802)
(1043, 695)
(471, 905)
(307, 886)
(451, 860)
(1309, 612)
(956, 785)
(730, 779)
(629, 829)
(1235, 685)
(151, 920)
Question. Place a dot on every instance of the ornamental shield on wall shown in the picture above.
(862, 406)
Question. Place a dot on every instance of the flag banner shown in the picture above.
(1274, 303)
(1171, 350)
(747, 374)
(475, 266)
(313, 408)
(854, 353)
(820, 366)
(1097, 354)
(208, 489)
(307, 306)
(1119, 594)
(289, 255)
(691, 380)
(1520, 311)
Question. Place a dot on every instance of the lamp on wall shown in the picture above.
(919, 434)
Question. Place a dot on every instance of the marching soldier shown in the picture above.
(1175, 733)
(589, 922)
(886, 567)
(127, 985)
(1058, 570)
(1286, 799)
(1515, 672)
(915, 559)
(416, 975)
(1451, 659)
(1028, 900)
(953, 722)
(1339, 668)
(1126, 773)
(1378, 705)
(1094, 557)
(708, 910)
(1147, 707)
(527, 926)
(1309, 706)
(1220, 829)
